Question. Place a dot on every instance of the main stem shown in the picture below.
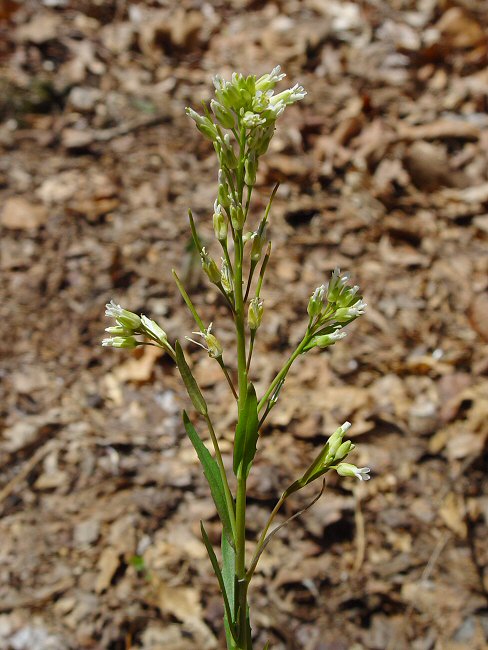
(241, 581)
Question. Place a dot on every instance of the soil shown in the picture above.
(384, 172)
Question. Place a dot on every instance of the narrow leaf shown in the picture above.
(194, 232)
(229, 572)
(218, 573)
(190, 382)
(247, 432)
(212, 474)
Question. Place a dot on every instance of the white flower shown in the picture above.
(361, 473)
(120, 342)
(125, 318)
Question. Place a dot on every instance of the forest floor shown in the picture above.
(384, 172)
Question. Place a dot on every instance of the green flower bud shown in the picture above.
(128, 342)
(251, 168)
(349, 313)
(223, 114)
(226, 277)
(124, 318)
(343, 450)
(118, 330)
(153, 330)
(210, 267)
(361, 473)
(225, 152)
(324, 340)
(258, 241)
(237, 216)
(255, 313)
(224, 196)
(316, 302)
(204, 124)
(219, 223)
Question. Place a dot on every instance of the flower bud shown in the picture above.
(251, 168)
(324, 340)
(128, 342)
(219, 223)
(258, 240)
(123, 317)
(316, 302)
(349, 313)
(361, 473)
(226, 277)
(336, 284)
(210, 267)
(153, 330)
(223, 196)
(204, 124)
(255, 313)
(223, 114)
(237, 216)
(343, 450)
(225, 152)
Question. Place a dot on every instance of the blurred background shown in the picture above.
(383, 171)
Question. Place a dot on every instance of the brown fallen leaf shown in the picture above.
(459, 29)
(20, 214)
(439, 130)
(107, 566)
(138, 369)
(453, 513)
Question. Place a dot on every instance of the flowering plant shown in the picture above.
(240, 123)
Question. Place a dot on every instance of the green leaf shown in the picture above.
(228, 575)
(247, 432)
(218, 573)
(212, 474)
(190, 382)
(229, 572)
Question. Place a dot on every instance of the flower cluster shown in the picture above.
(128, 325)
(330, 457)
(248, 108)
(330, 308)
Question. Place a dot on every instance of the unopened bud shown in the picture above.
(153, 329)
(226, 277)
(251, 168)
(210, 267)
(255, 313)
(316, 302)
(128, 342)
(219, 223)
(237, 216)
(223, 114)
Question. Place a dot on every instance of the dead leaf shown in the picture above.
(20, 214)
(107, 566)
(453, 513)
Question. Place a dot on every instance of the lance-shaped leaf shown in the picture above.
(229, 577)
(212, 474)
(247, 432)
(218, 573)
(190, 382)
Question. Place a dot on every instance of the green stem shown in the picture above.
(284, 371)
(262, 537)
(227, 376)
(218, 457)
